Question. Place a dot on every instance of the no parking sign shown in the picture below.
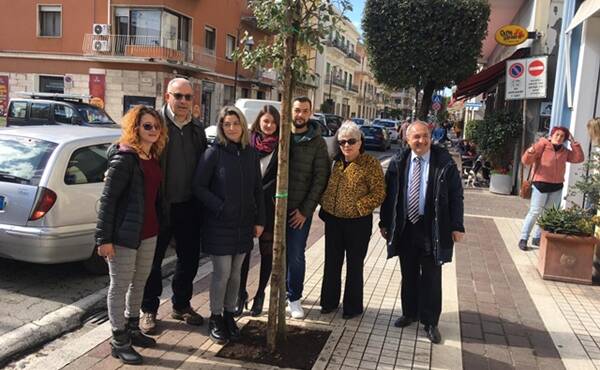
(526, 78)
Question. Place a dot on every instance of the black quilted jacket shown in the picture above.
(121, 213)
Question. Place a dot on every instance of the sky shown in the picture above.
(356, 14)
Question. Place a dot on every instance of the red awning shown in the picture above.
(482, 81)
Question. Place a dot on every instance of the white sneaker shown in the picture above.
(295, 309)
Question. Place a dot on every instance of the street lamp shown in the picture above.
(248, 43)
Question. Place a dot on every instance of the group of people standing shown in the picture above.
(164, 183)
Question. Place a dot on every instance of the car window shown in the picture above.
(369, 130)
(40, 110)
(63, 113)
(23, 159)
(87, 165)
(18, 109)
(93, 114)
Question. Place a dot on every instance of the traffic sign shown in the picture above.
(437, 99)
(536, 68)
(436, 106)
(530, 85)
(516, 70)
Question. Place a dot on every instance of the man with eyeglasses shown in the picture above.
(308, 174)
(421, 218)
(178, 210)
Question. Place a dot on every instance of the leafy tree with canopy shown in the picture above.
(425, 44)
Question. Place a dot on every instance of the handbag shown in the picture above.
(525, 191)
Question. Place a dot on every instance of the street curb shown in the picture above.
(56, 323)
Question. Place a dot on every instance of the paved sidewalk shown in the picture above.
(497, 312)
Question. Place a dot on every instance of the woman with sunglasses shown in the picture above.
(128, 225)
(355, 188)
(228, 185)
(264, 137)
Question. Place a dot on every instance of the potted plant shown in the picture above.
(567, 244)
(495, 138)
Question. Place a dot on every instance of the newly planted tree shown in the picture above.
(425, 44)
(294, 24)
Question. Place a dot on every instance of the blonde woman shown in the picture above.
(128, 225)
(229, 186)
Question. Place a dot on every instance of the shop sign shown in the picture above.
(511, 35)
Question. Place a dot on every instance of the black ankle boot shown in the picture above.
(218, 331)
(121, 348)
(242, 302)
(257, 304)
(138, 338)
(230, 324)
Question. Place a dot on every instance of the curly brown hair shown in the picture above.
(129, 130)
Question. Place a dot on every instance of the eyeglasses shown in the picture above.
(179, 96)
(150, 127)
(349, 142)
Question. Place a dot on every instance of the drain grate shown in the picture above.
(96, 318)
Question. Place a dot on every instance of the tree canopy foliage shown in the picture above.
(426, 44)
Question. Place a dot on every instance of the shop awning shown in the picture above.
(482, 81)
(587, 9)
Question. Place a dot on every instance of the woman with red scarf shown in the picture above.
(264, 138)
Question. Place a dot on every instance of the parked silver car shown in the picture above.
(51, 178)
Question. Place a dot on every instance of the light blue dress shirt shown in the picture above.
(424, 179)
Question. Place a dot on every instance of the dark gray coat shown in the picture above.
(229, 187)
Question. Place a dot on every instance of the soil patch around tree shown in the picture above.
(300, 352)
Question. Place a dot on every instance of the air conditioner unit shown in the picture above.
(101, 45)
(101, 29)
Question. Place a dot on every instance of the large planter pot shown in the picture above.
(501, 184)
(566, 258)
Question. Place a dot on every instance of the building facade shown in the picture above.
(125, 53)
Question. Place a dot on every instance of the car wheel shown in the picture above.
(96, 265)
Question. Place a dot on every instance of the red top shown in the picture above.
(152, 177)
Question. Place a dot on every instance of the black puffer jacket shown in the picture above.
(121, 213)
(229, 187)
(269, 184)
(309, 170)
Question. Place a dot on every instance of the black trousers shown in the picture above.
(349, 237)
(185, 229)
(421, 290)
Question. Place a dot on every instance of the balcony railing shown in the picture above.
(335, 80)
(149, 47)
(353, 88)
(311, 80)
(352, 55)
(338, 44)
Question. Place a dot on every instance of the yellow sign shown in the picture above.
(511, 35)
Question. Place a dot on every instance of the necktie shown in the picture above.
(415, 190)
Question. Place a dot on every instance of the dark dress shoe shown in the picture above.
(433, 333)
(326, 310)
(535, 241)
(241, 304)
(348, 316)
(404, 321)
(257, 304)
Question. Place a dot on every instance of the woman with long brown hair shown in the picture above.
(264, 138)
(128, 225)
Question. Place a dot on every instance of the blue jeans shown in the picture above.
(539, 202)
(296, 263)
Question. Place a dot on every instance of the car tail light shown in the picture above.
(45, 201)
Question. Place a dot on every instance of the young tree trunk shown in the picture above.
(276, 328)
(426, 100)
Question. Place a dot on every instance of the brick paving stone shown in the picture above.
(500, 320)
